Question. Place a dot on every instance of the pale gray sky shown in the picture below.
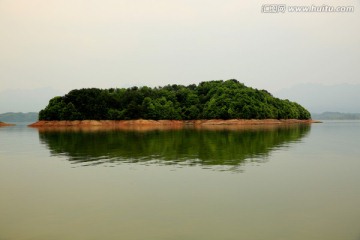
(68, 44)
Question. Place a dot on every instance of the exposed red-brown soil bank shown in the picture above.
(170, 123)
(2, 124)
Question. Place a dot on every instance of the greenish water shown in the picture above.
(209, 148)
(299, 182)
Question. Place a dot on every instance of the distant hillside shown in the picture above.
(336, 116)
(318, 98)
(25, 100)
(209, 100)
(19, 117)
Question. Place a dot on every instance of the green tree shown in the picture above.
(207, 100)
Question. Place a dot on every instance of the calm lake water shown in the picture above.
(300, 182)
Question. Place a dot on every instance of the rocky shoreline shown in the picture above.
(2, 124)
(170, 123)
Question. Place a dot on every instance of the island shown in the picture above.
(210, 102)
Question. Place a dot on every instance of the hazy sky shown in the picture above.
(67, 44)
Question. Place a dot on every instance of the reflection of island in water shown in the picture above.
(208, 148)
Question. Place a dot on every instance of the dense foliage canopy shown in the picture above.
(209, 100)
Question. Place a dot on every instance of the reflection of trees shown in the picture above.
(186, 146)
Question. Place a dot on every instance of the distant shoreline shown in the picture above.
(2, 124)
(174, 123)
